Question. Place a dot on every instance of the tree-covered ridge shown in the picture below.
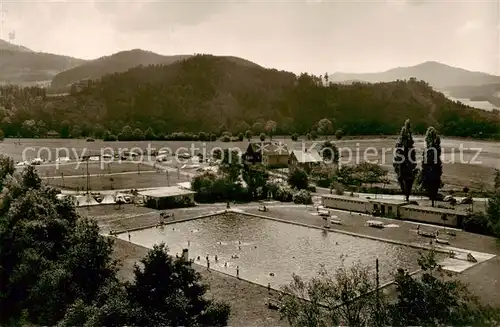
(116, 63)
(214, 94)
(26, 66)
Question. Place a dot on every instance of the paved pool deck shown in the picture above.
(248, 299)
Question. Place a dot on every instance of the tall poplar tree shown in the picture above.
(432, 167)
(405, 165)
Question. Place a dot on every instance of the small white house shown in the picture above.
(307, 159)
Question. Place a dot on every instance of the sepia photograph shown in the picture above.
(249, 163)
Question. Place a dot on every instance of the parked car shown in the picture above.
(467, 200)
(448, 198)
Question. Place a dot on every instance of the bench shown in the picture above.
(263, 208)
(441, 241)
(324, 213)
(166, 214)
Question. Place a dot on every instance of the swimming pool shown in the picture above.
(268, 251)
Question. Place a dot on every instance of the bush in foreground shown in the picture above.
(349, 297)
(56, 269)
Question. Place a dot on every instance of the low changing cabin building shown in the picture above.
(168, 198)
(307, 159)
(344, 202)
(269, 153)
(395, 209)
(433, 215)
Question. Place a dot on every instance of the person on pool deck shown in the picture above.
(216, 258)
(225, 264)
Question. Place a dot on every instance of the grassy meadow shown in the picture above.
(466, 162)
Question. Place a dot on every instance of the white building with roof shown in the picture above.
(168, 197)
(306, 159)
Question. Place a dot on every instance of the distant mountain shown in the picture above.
(214, 94)
(438, 75)
(4, 45)
(115, 63)
(20, 65)
(118, 63)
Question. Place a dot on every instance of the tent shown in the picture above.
(108, 199)
(86, 200)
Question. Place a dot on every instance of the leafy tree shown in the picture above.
(2, 135)
(258, 127)
(231, 164)
(6, 168)
(297, 178)
(497, 179)
(65, 128)
(149, 134)
(325, 127)
(370, 172)
(56, 269)
(217, 154)
(152, 292)
(256, 177)
(333, 299)
(314, 135)
(126, 134)
(339, 134)
(433, 300)
(432, 167)
(75, 132)
(248, 135)
(29, 128)
(48, 258)
(241, 136)
(295, 137)
(42, 128)
(329, 152)
(138, 134)
(270, 128)
(405, 165)
(242, 126)
(262, 137)
(302, 197)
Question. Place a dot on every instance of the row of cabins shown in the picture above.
(274, 154)
(395, 209)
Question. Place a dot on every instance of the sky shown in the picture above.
(311, 36)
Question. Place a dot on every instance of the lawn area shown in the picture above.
(80, 168)
(132, 180)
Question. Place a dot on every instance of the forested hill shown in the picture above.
(116, 63)
(214, 94)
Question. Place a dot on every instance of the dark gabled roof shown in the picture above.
(269, 147)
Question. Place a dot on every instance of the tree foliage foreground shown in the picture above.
(350, 297)
(56, 269)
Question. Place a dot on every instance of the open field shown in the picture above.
(466, 162)
(94, 168)
(132, 180)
